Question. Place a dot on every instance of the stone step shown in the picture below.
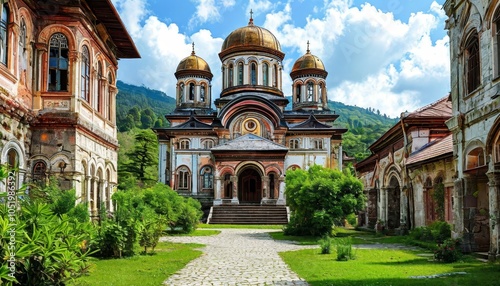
(248, 214)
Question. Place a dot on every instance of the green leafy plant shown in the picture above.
(448, 251)
(438, 197)
(344, 249)
(325, 245)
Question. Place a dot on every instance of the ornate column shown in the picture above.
(111, 207)
(281, 195)
(494, 184)
(104, 195)
(218, 191)
(88, 188)
(383, 205)
(234, 181)
(265, 187)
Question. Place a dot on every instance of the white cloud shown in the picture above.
(373, 59)
(369, 53)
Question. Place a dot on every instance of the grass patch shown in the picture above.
(240, 226)
(143, 270)
(302, 240)
(386, 267)
(197, 232)
(357, 237)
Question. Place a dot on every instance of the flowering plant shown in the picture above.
(448, 251)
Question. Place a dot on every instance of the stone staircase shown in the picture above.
(248, 214)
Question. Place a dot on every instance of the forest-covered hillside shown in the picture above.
(142, 107)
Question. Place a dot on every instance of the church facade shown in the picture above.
(239, 152)
(58, 65)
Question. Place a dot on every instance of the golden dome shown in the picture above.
(193, 63)
(308, 63)
(251, 38)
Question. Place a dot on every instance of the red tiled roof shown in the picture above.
(440, 108)
(432, 150)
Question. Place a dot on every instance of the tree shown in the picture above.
(319, 198)
(143, 158)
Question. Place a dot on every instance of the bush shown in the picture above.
(440, 231)
(448, 251)
(344, 249)
(111, 240)
(325, 245)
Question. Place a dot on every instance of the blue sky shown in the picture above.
(392, 55)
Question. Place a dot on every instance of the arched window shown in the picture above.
(231, 75)
(318, 144)
(191, 91)
(496, 40)
(472, 59)
(100, 87)
(475, 158)
(184, 144)
(4, 21)
(13, 164)
(275, 76)
(110, 97)
(183, 178)
(207, 178)
(294, 144)
(58, 63)
(310, 90)
(208, 144)
(240, 73)
(265, 74)
(203, 89)
(298, 87)
(181, 92)
(253, 76)
(321, 90)
(85, 74)
(22, 52)
(39, 172)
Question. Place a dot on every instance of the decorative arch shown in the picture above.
(274, 168)
(248, 164)
(474, 155)
(183, 178)
(293, 167)
(207, 177)
(49, 30)
(493, 141)
(15, 145)
(250, 103)
(391, 170)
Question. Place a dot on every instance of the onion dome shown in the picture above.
(193, 65)
(251, 38)
(308, 64)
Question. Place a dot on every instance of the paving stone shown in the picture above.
(237, 257)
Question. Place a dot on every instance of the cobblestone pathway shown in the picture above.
(237, 257)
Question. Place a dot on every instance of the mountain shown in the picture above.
(142, 107)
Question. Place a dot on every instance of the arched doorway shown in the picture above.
(250, 186)
(393, 204)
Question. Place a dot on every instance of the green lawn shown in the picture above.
(197, 232)
(386, 267)
(143, 270)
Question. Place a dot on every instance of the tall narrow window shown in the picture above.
(184, 144)
(253, 74)
(22, 52)
(203, 89)
(231, 75)
(183, 178)
(240, 73)
(58, 63)
(13, 164)
(4, 20)
(110, 97)
(191, 91)
(100, 87)
(207, 178)
(85, 73)
(310, 90)
(275, 76)
(473, 71)
(297, 92)
(320, 90)
(181, 92)
(496, 23)
(265, 74)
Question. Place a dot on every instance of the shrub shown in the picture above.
(344, 249)
(325, 245)
(111, 240)
(448, 251)
(352, 219)
(440, 231)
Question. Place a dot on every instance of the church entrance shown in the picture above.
(250, 186)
